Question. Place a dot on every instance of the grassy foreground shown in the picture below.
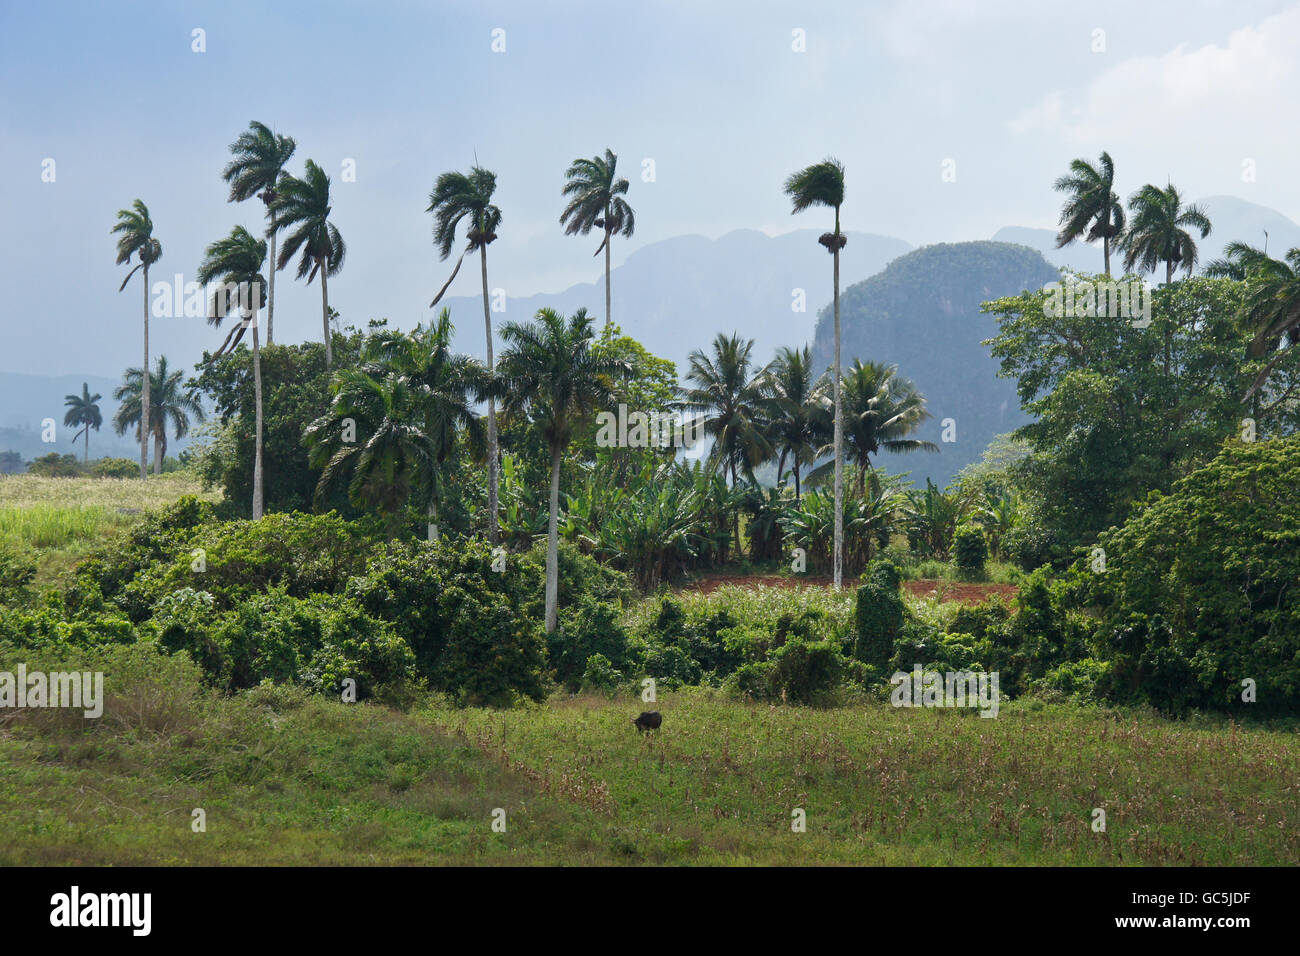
(286, 778)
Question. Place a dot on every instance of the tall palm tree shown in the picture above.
(170, 401)
(1272, 309)
(1158, 231)
(237, 261)
(733, 404)
(445, 385)
(260, 158)
(458, 196)
(822, 184)
(550, 373)
(83, 411)
(137, 240)
(798, 416)
(1093, 210)
(597, 200)
(881, 408)
(302, 207)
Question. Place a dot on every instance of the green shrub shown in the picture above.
(804, 672)
(591, 628)
(601, 675)
(880, 614)
(115, 468)
(970, 551)
(55, 465)
(493, 655)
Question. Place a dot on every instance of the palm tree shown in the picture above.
(384, 467)
(1093, 210)
(1272, 309)
(169, 401)
(260, 157)
(1158, 231)
(137, 239)
(881, 409)
(83, 411)
(733, 404)
(303, 206)
(822, 184)
(456, 196)
(237, 261)
(443, 383)
(550, 373)
(597, 201)
(798, 415)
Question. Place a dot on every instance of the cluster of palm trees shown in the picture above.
(1159, 229)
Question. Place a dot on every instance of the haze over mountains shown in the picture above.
(677, 294)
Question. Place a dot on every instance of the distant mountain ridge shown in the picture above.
(922, 313)
(674, 296)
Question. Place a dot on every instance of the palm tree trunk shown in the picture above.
(1105, 251)
(432, 513)
(85, 458)
(159, 449)
(325, 313)
(780, 466)
(735, 513)
(1169, 271)
(553, 546)
(257, 404)
(798, 498)
(144, 386)
(839, 430)
(270, 288)
(493, 532)
(608, 319)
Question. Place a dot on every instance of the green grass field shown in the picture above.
(285, 778)
(58, 521)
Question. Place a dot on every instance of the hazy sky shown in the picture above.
(713, 92)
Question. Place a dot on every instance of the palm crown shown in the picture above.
(597, 201)
(136, 239)
(260, 158)
(302, 208)
(821, 184)
(235, 260)
(1158, 231)
(458, 196)
(1093, 210)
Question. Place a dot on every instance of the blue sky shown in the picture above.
(713, 92)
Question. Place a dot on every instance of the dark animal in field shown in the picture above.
(649, 720)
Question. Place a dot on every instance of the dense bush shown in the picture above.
(1200, 588)
(880, 613)
(970, 551)
(115, 468)
(55, 465)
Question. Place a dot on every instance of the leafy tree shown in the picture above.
(83, 411)
(597, 192)
(237, 261)
(822, 184)
(1158, 231)
(550, 374)
(260, 158)
(1093, 210)
(1199, 589)
(170, 401)
(457, 196)
(1120, 410)
(302, 208)
(137, 239)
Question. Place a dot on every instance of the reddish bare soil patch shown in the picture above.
(965, 592)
